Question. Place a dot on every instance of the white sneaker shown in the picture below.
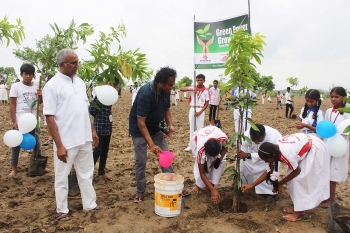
(187, 149)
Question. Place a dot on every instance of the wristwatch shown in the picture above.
(249, 156)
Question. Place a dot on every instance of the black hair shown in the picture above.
(27, 68)
(288, 88)
(269, 150)
(254, 134)
(212, 147)
(340, 91)
(215, 81)
(164, 74)
(314, 95)
(200, 76)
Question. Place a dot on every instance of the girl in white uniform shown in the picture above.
(209, 152)
(311, 114)
(338, 165)
(308, 172)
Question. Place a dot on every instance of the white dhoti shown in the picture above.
(251, 172)
(82, 158)
(213, 175)
(311, 186)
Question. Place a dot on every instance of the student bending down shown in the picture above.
(308, 171)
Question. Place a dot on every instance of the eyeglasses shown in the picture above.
(75, 64)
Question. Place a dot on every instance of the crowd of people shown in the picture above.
(77, 140)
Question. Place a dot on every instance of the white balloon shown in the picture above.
(13, 138)
(337, 145)
(341, 127)
(106, 94)
(26, 123)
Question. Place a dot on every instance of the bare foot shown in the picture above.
(12, 174)
(107, 177)
(288, 210)
(47, 170)
(325, 204)
(195, 190)
(296, 216)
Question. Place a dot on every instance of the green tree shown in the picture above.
(184, 82)
(244, 48)
(293, 82)
(115, 65)
(6, 73)
(11, 32)
(43, 57)
(303, 90)
(266, 83)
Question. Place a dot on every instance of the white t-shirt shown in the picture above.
(67, 101)
(288, 98)
(201, 98)
(25, 95)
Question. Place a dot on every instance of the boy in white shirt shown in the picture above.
(199, 100)
(22, 96)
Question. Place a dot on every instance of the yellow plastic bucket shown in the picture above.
(168, 194)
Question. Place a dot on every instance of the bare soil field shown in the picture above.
(28, 204)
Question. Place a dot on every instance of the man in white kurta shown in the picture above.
(66, 110)
(253, 167)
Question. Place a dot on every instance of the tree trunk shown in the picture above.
(237, 181)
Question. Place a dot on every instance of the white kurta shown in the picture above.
(311, 186)
(309, 120)
(253, 168)
(339, 165)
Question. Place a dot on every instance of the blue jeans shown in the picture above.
(140, 147)
(15, 150)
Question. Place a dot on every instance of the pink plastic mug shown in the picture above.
(165, 158)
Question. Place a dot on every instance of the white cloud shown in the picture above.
(305, 39)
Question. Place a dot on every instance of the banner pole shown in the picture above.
(194, 88)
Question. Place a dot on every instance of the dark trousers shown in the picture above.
(102, 152)
(212, 112)
(289, 106)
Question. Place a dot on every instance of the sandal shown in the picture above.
(139, 197)
(62, 217)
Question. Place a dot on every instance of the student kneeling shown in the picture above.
(208, 148)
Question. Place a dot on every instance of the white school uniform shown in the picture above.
(236, 116)
(201, 136)
(173, 97)
(201, 98)
(339, 165)
(177, 95)
(309, 120)
(134, 94)
(253, 168)
(308, 189)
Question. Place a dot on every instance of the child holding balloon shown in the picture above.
(338, 165)
(311, 113)
(22, 100)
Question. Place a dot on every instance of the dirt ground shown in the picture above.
(27, 204)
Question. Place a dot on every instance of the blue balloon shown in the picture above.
(28, 142)
(326, 129)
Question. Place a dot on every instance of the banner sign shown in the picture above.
(211, 41)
